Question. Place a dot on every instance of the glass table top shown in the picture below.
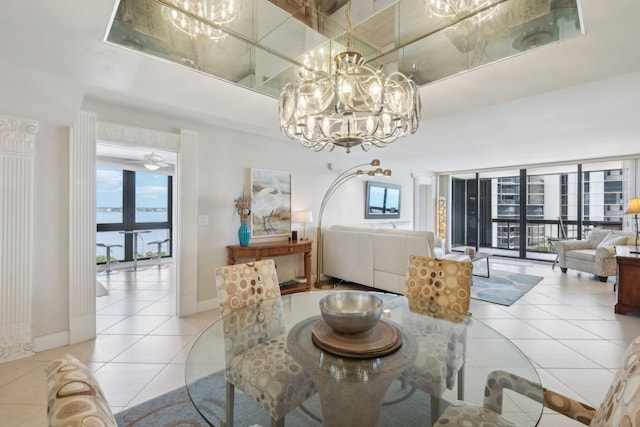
(263, 44)
(383, 383)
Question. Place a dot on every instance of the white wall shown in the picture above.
(225, 159)
(51, 231)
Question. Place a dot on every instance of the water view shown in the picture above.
(145, 195)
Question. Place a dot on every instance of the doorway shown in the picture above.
(134, 212)
(84, 136)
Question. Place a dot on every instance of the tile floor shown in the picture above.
(566, 326)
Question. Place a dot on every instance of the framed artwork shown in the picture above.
(270, 203)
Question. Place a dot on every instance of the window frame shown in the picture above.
(129, 215)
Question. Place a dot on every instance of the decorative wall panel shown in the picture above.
(187, 220)
(82, 228)
(16, 237)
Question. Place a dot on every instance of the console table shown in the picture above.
(628, 281)
(261, 250)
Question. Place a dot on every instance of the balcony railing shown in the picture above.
(539, 231)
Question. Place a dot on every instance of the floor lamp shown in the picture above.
(341, 179)
(634, 208)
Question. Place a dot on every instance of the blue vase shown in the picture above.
(244, 233)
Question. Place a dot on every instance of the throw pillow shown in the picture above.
(597, 235)
(612, 239)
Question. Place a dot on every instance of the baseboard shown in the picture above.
(208, 304)
(47, 342)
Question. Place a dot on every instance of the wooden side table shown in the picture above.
(628, 281)
(261, 250)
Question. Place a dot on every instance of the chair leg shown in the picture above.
(435, 409)
(277, 423)
(108, 260)
(108, 269)
(230, 398)
(159, 263)
(461, 383)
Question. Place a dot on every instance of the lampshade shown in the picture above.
(634, 207)
(152, 166)
(302, 217)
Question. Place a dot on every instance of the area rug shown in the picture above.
(503, 287)
(175, 409)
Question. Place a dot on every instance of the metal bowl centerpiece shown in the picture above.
(351, 312)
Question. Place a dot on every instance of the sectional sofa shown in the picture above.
(375, 255)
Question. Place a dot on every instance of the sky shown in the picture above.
(151, 188)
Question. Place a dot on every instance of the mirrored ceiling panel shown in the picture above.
(264, 44)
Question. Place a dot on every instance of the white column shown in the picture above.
(16, 237)
(187, 220)
(82, 228)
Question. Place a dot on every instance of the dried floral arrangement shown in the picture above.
(243, 206)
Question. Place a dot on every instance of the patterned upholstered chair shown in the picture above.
(444, 282)
(432, 283)
(620, 407)
(74, 398)
(257, 361)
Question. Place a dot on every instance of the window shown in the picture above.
(128, 200)
(582, 195)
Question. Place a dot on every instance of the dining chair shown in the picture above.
(620, 407)
(257, 360)
(74, 397)
(442, 345)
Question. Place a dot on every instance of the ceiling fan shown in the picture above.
(152, 161)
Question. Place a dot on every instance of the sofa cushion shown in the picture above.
(348, 255)
(596, 236)
(630, 235)
(613, 239)
(362, 228)
(403, 225)
(408, 233)
(582, 254)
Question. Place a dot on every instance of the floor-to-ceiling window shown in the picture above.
(519, 212)
(603, 202)
(551, 201)
(129, 200)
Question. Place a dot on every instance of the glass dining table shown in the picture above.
(369, 391)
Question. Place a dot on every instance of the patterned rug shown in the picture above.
(175, 409)
(503, 287)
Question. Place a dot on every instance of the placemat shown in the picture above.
(378, 341)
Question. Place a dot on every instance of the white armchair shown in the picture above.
(595, 255)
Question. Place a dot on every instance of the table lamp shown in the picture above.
(634, 208)
(303, 217)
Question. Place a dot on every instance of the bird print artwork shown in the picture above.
(270, 202)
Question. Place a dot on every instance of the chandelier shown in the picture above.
(220, 12)
(458, 8)
(354, 106)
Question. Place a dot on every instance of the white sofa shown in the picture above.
(376, 256)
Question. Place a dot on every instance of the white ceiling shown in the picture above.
(575, 100)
